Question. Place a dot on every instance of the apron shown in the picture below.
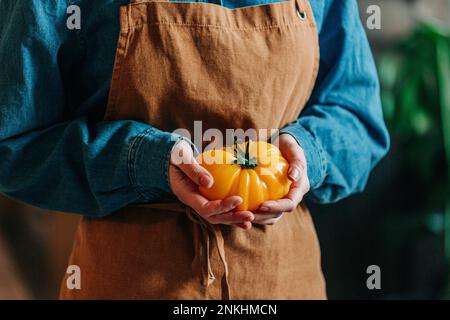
(176, 63)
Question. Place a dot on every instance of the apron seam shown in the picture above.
(214, 26)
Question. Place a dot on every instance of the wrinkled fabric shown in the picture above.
(57, 153)
(166, 250)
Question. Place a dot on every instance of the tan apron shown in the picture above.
(251, 67)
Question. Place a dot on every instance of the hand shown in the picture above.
(270, 212)
(186, 174)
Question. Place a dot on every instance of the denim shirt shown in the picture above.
(56, 152)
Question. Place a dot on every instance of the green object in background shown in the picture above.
(443, 76)
(415, 80)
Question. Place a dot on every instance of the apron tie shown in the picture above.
(202, 230)
(202, 243)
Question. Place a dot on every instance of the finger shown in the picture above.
(212, 208)
(296, 158)
(295, 171)
(289, 147)
(181, 153)
(296, 163)
(187, 192)
(182, 156)
(232, 217)
(267, 216)
(197, 174)
(303, 186)
(282, 205)
(245, 225)
(269, 222)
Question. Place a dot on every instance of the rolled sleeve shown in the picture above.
(149, 161)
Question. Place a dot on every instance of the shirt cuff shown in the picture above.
(148, 161)
(315, 156)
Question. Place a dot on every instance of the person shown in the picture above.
(87, 126)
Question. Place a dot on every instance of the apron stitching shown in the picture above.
(197, 25)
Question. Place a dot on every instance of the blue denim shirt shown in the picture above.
(57, 153)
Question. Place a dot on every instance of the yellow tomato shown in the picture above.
(257, 174)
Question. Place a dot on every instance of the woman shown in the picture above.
(87, 120)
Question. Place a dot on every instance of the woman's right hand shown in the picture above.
(186, 174)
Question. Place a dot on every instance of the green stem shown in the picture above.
(243, 158)
(247, 152)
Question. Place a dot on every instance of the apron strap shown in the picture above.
(202, 249)
(202, 243)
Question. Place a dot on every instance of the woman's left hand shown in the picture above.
(270, 212)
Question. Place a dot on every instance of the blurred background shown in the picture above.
(401, 223)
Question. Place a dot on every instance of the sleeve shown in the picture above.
(341, 129)
(48, 159)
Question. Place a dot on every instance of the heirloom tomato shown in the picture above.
(257, 174)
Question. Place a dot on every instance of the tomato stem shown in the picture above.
(243, 159)
(247, 151)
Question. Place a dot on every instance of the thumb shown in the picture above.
(296, 169)
(296, 158)
(182, 157)
(197, 173)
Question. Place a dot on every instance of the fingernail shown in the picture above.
(236, 203)
(205, 181)
(294, 174)
(264, 209)
(250, 218)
